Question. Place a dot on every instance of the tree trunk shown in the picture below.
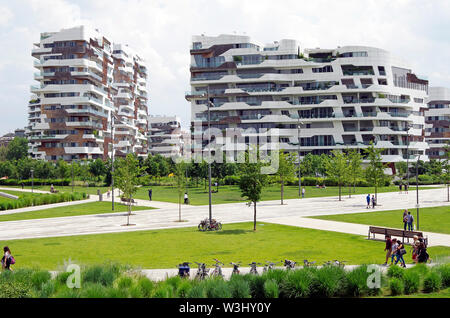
(179, 208)
(129, 211)
(339, 192)
(349, 191)
(254, 216)
(282, 191)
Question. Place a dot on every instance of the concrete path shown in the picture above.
(268, 211)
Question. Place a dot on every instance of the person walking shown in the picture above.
(368, 200)
(400, 187)
(400, 251)
(422, 256)
(7, 259)
(410, 221)
(405, 219)
(388, 248)
(415, 250)
(150, 194)
(186, 198)
(406, 188)
(374, 202)
(393, 249)
(303, 192)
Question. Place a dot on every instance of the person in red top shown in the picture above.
(388, 248)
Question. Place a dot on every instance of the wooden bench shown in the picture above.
(395, 232)
(128, 201)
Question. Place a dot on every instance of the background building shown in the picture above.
(78, 93)
(165, 136)
(335, 98)
(438, 121)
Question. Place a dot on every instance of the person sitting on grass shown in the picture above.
(52, 189)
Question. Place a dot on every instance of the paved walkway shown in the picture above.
(166, 216)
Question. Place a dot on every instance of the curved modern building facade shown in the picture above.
(437, 119)
(339, 98)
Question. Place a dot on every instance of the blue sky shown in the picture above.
(418, 31)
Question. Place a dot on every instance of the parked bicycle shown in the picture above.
(205, 225)
(335, 263)
(269, 266)
(289, 264)
(253, 268)
(184, 270)
(202, 271)
(306, 263)
(236, 270)
(217, 272)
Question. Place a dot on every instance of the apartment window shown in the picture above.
(354, 54)
(325, 69)
(381, 70)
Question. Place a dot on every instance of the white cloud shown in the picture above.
(160, 31)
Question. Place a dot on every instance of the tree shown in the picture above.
(354, 160)
(3, 153)
(286, 170)
(180, 183)
(401, 169)
(62, 169)
(338, 168)
(97, 168)
(17, 149)
(126, 178)
(251, 183)
(375, 170)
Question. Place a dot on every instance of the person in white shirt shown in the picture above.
(186, 198)
(303, 192)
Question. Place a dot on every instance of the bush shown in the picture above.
(124, 282)
(47, 289)
(271, 289)
(411, 281)
(330, 281)
(217, 288)
(432, 282)
(357, 283)
(297, 283)
(256, 284)
(277, 275)
(197, 291)
(184, 288)
(163, 290)
(15, 290)
(103, 274)
(444, 271)
(146, 286)
(231, 180)
(93, 290)
(239, 287)
(396, 286)
(395, 271)
(39, 278)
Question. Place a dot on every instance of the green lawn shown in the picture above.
(436, 219)
(231, 194)
(88, 190)
(16, 193)
(70, 210)
(236, 242)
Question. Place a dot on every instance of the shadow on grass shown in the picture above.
(232, 232)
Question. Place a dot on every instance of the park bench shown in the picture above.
(128, 200)
(394, 232)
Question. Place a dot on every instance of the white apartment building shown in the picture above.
(78, 93)
(165, 136)
(437, 118)
(336, 98)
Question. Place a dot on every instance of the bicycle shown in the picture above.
(306, 263)
(184, 270)
(217, 272)
(253, 269)
(236, 270)
(269, 266)
(205, 225)
(202, 271)
(289, 264)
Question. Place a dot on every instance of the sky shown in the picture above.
(161, 31)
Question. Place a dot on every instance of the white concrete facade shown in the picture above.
(165, 136)
(341, 98)
(437, 118)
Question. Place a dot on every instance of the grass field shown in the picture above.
(435, 219)
(88, 190)
(70, 210)
(16, 193)
(231, 194)
(236, 242)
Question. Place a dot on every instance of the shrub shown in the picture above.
(271, 289)
(47, 289)
(93, 290)
(124, 282)
(357, 282)
(15, 290)
(275, 274)
(103, 274)
(66, 292)
(217, 288)
(444, 272)
(163, 290)
(112, 292)
(197, 291)
(184, 288)
(396, 286)
(146, 286)
(329, 281)
(432, 282)
(256, 284)
(411, 281)
(239, 287)
(395, 271)
(297, 284)
(39, 278)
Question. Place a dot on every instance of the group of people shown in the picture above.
(371, 201)
(396, 249)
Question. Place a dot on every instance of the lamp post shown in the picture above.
(417, 190)
(209, 103)
(408, 126)
(298, 152)
(112, 161)
(72, 177)
(32, 180)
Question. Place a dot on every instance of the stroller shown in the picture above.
(184, 270)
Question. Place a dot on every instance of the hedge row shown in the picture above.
(36, 181)
(424, 179)
(41, 199)
(116, 281)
